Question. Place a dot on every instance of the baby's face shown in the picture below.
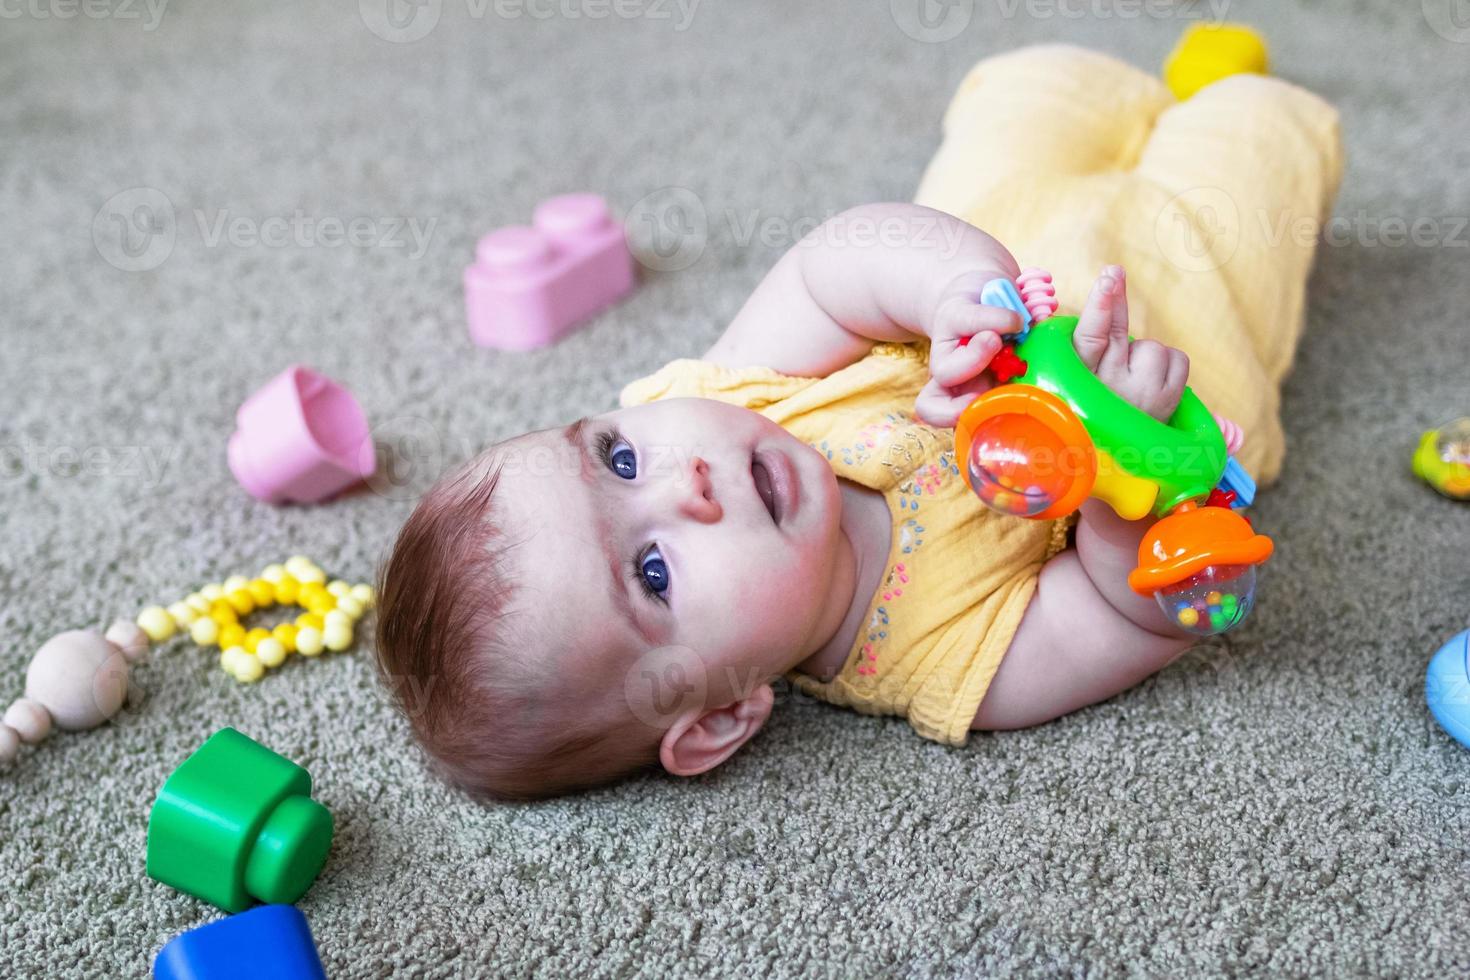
(685, 522)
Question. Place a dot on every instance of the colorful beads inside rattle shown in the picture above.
(212, 617)
(1218, 609)
(1212, 600)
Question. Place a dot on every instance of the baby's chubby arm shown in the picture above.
(879, 272)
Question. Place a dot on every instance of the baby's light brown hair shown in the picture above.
(482, 700)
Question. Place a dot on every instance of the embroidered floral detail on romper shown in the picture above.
(901, 444)
(892, 589)
(910, 536)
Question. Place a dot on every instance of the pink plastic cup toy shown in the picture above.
(300, 439)
(531, 285)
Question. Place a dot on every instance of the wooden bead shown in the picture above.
(30, 719)
(128, 637)
(9, 745)
(80, 678)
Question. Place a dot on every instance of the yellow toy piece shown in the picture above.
(1443, 459)
(1209, 52)
(211, 617)
(157, 623)
(1132, 497)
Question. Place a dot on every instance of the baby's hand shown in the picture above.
(963, 338)
(1145, 373)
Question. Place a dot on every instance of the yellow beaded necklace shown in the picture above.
(211, 617)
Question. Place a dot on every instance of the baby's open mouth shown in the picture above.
(762, 478)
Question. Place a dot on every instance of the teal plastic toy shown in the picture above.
(236, 824)
(1052, 435)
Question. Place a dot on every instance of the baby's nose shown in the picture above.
(695, 493)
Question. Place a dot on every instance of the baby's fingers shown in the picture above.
(956, 362)
(941, 407)
(1103, 326)
(965, 340)
(1176, 376)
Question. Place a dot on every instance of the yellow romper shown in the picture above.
(959, 576)
(1074, 160)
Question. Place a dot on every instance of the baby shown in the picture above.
(581, 603)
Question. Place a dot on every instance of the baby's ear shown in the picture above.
(706, 737)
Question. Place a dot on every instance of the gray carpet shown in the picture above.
(1280, 801)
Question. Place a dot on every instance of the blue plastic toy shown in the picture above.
(1447, 687)
(268, 941)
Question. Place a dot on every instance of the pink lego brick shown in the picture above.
(301, 438)
(530, 286)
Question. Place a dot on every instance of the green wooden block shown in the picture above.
(236, 824)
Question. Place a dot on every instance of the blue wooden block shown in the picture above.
(267, 941)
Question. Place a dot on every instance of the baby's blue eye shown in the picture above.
(624, 461)
(654, 572)
(617, 455)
